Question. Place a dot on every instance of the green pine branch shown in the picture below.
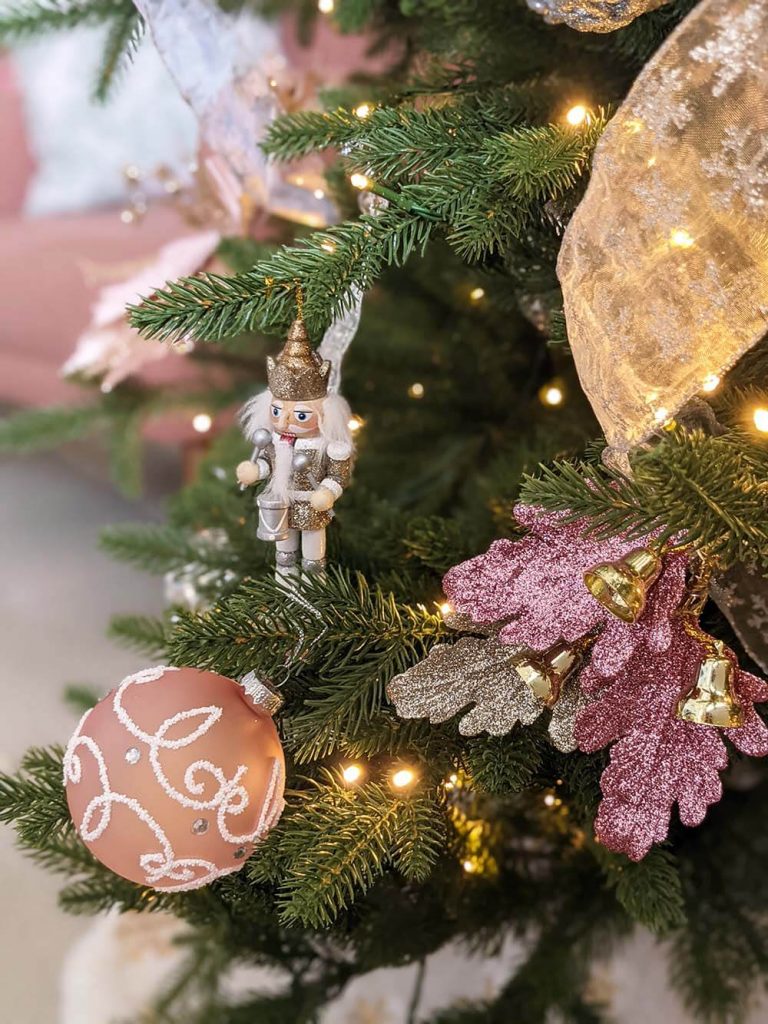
(27, 20)
(481, 201)
(161, 548)
(327, 266)
(33, 799)
(125, 35)
(34, 429)
(336, 844)
(140, 633)
(649, 890)
(330, 626)
(706, 491)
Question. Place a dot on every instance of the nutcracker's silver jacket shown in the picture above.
(330, 466)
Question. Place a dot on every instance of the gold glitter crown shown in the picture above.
(298, 374)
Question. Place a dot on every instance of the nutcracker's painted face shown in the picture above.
(302, 419)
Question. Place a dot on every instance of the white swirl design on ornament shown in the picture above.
(229, 800)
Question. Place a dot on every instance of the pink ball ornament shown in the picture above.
(174, 777)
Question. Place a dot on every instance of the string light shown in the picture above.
(549, 799)
(202, 422)
(363, 110)
(681, 238)
(450, 782)
(416, 390)
(352, 773)
(661, 415)
(446, 608)
(319, 193)
(403, 778)
(470, 866)
(355, 423)
(760, 419)
(359, 181)
(476, 294)
(711, 381)
(552, 394)
(577, 115)
(325, 6)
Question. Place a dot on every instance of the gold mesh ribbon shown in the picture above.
(664, 266)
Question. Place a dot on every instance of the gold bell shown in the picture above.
(623, 586)
(545, 673)
(712, 699)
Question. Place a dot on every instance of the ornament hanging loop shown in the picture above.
(299, 300)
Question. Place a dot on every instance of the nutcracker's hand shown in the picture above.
(247, 473)
(322, 499)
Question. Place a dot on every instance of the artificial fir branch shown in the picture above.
(160, 549)
(125, 35)
(140, 632)
(42, 428)
(335, 845)
(32, 19)
(329, 625)
(709, 491)
(481, 200)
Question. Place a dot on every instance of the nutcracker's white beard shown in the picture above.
(280, 481)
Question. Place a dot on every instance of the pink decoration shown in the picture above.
(636, 674)
(657, 760)
(110, 348)
(538, 581)
(174, 777)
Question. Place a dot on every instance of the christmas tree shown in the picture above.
(560, 737)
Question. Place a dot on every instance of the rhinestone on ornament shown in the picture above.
(200, 826)
(133, 755)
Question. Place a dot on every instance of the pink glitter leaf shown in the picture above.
(538, 582)
(679, 762)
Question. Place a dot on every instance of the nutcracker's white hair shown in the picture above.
(334, 417)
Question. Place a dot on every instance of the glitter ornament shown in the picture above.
(592, 15)
(537, 583)
(652, 688)
(480, 671)
(656, 759)
(174, 777)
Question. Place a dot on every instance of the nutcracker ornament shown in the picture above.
(303, 448)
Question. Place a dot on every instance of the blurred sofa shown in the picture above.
(50, 270)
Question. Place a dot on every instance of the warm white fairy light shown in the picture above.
(552, 395)
(446, 608)
(549, 799)
(403, 778)
(359, 181)
(352, 773)
(710, 382)
(661, 415)
(577, 115)
(363, 110)
(355, 423)
(416, 390)
(681, 238)
(760, 419)
(476, 294)
(470, 866)
(319, 193)
(202, 422)
(325, 6)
